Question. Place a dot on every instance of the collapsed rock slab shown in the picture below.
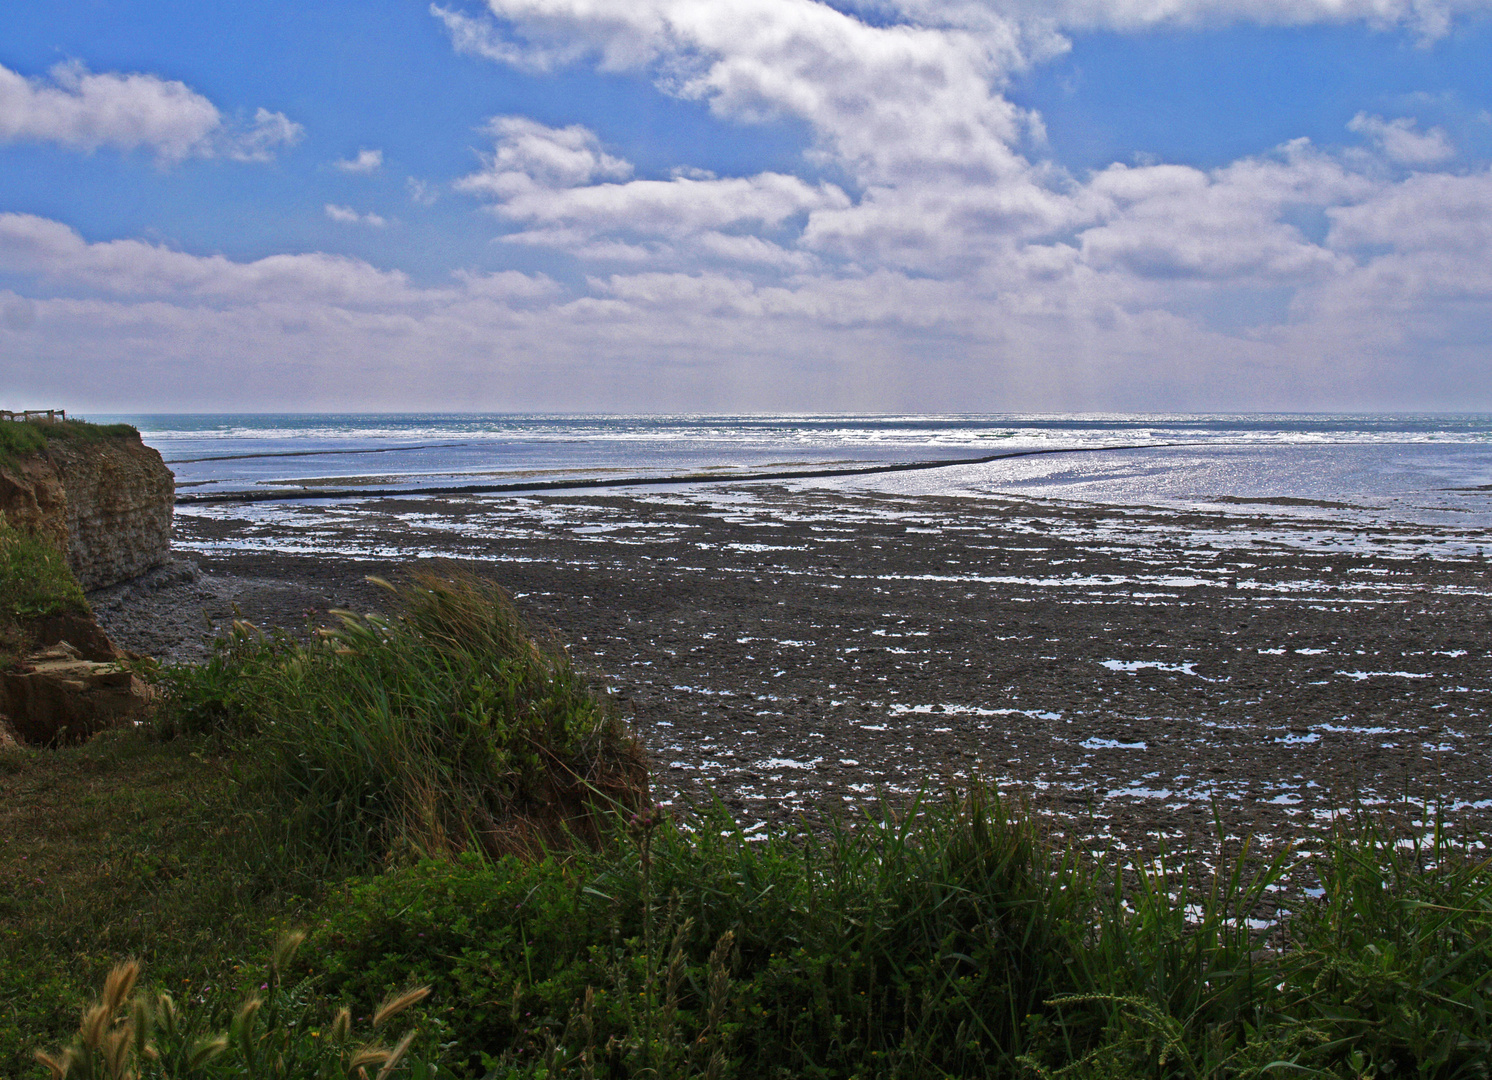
(55, 696)
(78, 630)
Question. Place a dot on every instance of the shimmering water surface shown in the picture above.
(1432, 469)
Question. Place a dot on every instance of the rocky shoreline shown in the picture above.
(1131, 673)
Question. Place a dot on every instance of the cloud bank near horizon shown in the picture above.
(926, 253)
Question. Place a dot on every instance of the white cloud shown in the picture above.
(1430, 18)
(889, 100)
(1170, 221)
(260, 140)
(1430, 212)
(1401, 143)
(553, 182)
(54, 254)
(947, 267)
(529, 155)
(348, 216)
(84, 111)
(366, 161)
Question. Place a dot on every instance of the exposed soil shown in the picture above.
(1127, 670)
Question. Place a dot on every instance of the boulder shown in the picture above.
(57, 696)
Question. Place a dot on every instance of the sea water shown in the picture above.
(1432, 469)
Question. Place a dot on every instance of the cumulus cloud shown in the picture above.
(889, 100)
(55, 254)
(1430, 18)
(366, 161)
(561, 188)
(944, 266)
(1400, 141)
(529, 155)
(348, 216)
(81, 110)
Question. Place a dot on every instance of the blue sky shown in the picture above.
(762, 204)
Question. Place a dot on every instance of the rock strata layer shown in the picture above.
(107, 504)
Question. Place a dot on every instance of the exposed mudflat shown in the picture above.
(796, 652)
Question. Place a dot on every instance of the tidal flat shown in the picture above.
(1138, 676)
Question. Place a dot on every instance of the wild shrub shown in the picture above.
(918, 944)
(446, 725)
(1390, 972)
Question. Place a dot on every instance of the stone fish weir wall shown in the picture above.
(107, 503)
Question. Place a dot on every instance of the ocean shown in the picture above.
(1370, 468)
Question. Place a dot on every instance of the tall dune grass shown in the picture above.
(446, 725)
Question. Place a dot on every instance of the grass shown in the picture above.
(123, 846)
(955, 944)
(24, 438)
(35, 582)
(438, 800)
(446, 726)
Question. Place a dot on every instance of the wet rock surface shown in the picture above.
(1129, 671)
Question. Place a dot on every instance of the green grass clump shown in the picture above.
(26, 438)
(443, 727)
(82, 431)
(18, 438)
(35, 581)
(922, 947)
(126, 846)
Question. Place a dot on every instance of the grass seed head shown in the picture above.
(393, 1005)
(204, 1050)
(400, 1049)
(118, 985)
(364, 1056)
(285, 949)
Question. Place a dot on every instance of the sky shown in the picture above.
(746, 205)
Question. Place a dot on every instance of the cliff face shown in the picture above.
(107, 503)
(32, 497)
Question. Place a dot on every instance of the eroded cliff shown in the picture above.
(101, 495)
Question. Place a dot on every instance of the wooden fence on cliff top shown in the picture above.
(45, 416)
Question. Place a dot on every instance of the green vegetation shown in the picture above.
(438, 802)
(952, 943)
(23, 438)
(447, 726)
(35, 582)
(19, 438)
(277, 1037)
